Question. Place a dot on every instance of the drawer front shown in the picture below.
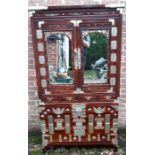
(85, 123)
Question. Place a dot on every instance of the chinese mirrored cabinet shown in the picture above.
(77, 57)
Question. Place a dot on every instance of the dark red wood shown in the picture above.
(95, 105)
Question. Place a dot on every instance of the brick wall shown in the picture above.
(33, 96)
(52, 54)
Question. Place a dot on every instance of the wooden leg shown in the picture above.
(48, 151)
(45, 150)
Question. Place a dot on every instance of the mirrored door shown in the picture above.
(95, 55)
(54, 56)
(94, 44)
(58, 45)
(99, 44)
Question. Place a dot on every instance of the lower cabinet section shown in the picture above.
(79, 123)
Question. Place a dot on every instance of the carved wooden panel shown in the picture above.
(80, 122)
(75, 111)
(45, 23)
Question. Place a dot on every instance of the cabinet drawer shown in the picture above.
(82, 122)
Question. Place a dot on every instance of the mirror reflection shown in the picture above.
(95, 54)
(59, 57)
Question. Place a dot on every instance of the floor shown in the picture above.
(35, 147)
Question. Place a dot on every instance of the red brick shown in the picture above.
(123, 53)
(31, 66)
(124, 29)
(123, 64)
(32, 88)
(121, 114)
(124, 22)
(123, 96)
(32, 78)
(123, 75)
(32, 91)
(122, 100)
(123, 34)
(121, 121)
(32, 102)
(123, 91)
(123, 58)
(37, 112)
(33, 98)
(123, 70)
(32, 72)
(30, 44)
(33, 107)
(31, 61)
(35, 118)
(30, 112)
(30, 55)
(123, 80)
(123, 41)
(31, 83)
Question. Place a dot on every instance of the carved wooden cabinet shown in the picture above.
(77, 54)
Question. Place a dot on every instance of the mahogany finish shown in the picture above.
(78, 113)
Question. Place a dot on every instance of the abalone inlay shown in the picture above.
(40, 47)
(67, 124)
(99, 124)
(59, 124)
(113, 69)
(79, 114)
(113, 57)
(42, 71)
(107, 123)
(41, 59)
(43, 126)
(113, 44)
(112, 21)
(43, 83)
(39, 34)
(50, 121)
(91, 123)
(113, 81)
(114, 31)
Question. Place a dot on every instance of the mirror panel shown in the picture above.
(58, 45)
(95, 55)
